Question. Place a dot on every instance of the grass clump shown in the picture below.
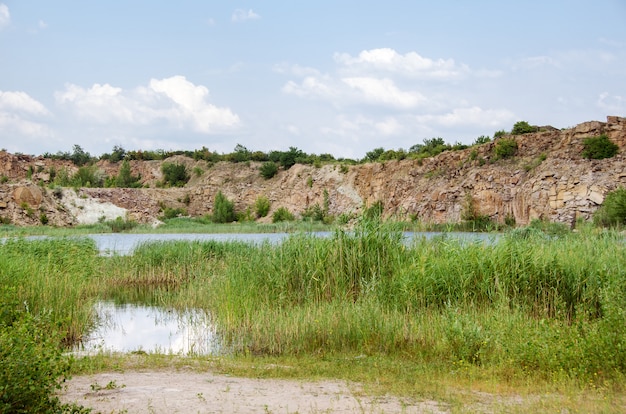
(612, 213)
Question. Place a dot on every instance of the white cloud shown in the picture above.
(241, 15)
(5, 16)
(611, 104)
(384, 91)
(42, 25)
(410, 64)
(22, 102)
(474, 116)
(174, 100)
(20, 116)
(311, 87)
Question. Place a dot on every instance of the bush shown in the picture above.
(223, 209)
(600, 147)
(32, 365)
(505, 148)
(282, 214)
(268, 169)
(125, 179)
(262, 206)
(523, 127)
(174, 174)
(613, 209)
(119, 224)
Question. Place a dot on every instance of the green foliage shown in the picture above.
(600, 147)
(198, 171)
(4, 179)
(483, 139)
(118, 154)
(374, 211)
(472, 215)
(223, 209)
(87, 176)
(43, 218)
(262, 206)
(119, 224)
(430, 148)
(613, 210)
(499, 134)
(268, 169)
(125, 179)
(522, 127)
(289, 158)
(374, 155)
(32, 365)
(505, 148)
(282, 214)
(174, 174)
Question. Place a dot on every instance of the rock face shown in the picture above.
(547, 178)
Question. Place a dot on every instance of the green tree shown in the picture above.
(223, 209)
(174, 174)
(79, 156)
(262, 206)
(483, 139)
(505, 148)
(124, 177)
(117, 154)
(268, 169)
(523, 127)
(374, 154)
(599, 147)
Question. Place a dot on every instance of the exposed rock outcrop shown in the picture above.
(547, 178)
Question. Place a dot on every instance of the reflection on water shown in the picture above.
(151, 329)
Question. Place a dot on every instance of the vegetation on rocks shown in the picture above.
(599, 147)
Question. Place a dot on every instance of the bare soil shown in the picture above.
(192, 392)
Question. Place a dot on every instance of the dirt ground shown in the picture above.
(193, 392)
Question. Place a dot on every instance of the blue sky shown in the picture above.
(340, 77)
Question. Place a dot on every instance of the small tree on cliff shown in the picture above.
(125, 179)
(223, 209)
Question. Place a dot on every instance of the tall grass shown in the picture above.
(552, 304)
(51, 276)
(528, 302)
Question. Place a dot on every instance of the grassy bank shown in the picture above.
(529, 308)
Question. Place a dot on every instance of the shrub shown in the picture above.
(119, 225)
(174, 174)
(600, 147)
(125, 179)
(505, 148)
(523, 127)
(483, 139)
(268, 169)
(282, 214)
(43, 218)
(32, 365)
(223, 209)
(499, 134)
(613, 209)
(262, 206)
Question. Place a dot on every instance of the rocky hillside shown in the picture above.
(547, 178)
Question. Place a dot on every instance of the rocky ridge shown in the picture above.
(547, 178)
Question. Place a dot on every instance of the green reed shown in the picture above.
(51, 276)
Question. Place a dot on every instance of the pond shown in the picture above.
(124, 244)
(133, 328)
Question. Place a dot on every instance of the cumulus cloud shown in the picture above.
(5, 16)
(21, 102)
(22, 116)
(410, 64)
(173, 100)
(241, 15)
(384, 91)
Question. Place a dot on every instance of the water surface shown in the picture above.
(140, 328)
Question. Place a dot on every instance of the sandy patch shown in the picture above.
(193, 392)
(88, 210)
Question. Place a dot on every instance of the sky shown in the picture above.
(340, 77)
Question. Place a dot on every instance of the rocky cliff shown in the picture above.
(547, 178)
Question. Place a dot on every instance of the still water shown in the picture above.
(151, 329)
